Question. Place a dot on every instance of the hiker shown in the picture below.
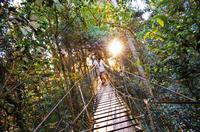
(101, 67)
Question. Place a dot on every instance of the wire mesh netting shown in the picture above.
(73, 111)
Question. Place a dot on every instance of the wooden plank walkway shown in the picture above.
(111, 113)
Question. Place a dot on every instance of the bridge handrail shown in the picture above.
(148, 104)
(57, 104)
(161, 86)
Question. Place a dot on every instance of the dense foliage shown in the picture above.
(172, 36)
(45, 46)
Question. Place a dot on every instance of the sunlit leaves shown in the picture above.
(172, 41)
(160, 22)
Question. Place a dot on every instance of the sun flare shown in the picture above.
(115, 47)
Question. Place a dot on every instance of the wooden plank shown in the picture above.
(132, 125)
(110, 108)
(113, 124)
(111, 112)
(112, 119)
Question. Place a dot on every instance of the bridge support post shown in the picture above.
(149, 114)
(83, 101)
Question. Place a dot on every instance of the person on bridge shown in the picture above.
(101, 67)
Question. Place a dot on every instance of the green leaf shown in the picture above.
(147, 35)
(161, 19)
(160, 22)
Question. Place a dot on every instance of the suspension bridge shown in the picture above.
(119, 105)
(111, 112)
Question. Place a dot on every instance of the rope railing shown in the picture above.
(149, 105)
(128, 96)
(54, 107)
(163, 87)
(141, 114)
(85, 106)
(46, 117)
(84, 109)
(139, 105)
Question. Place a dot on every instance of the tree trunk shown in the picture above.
(132, 43)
